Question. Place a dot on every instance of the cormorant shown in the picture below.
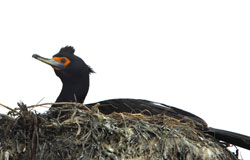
(74, 74)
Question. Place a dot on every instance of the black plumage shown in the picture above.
(74, 74)
(72, 77)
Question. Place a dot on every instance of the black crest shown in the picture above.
(67, 49)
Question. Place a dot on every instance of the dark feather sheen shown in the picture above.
(67, 49)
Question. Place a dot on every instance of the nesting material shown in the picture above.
(79, 133)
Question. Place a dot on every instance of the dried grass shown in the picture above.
(80, 133)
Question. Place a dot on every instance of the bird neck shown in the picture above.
(74, 90)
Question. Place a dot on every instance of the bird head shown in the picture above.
(67, 66)
(73, 72)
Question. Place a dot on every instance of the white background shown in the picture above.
(189, 54)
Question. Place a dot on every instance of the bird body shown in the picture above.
(149, 108)
(74, 74)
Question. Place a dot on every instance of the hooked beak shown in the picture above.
(51, 62)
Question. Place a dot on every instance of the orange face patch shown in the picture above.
(63, 60)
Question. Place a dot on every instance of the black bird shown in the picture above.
(74, 74)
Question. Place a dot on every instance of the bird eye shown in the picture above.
(63, 60)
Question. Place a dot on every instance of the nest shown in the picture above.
(76, 132)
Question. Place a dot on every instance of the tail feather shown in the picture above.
(230, 137)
